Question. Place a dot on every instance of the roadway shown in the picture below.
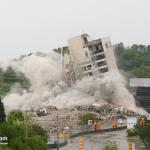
(97, 141)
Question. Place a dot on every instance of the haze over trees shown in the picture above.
(134, 60)
(10, 77)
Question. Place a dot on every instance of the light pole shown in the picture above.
(81, 142)
(81, 121)
(57, 133)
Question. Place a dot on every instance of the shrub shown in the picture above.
(88, 116)
(131, 132)
(110, 146)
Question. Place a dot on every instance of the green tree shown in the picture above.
(135, 46)
(148, 48)
(131, 132)
(134, 60)
(110, 146)
(9, 77)
(15, 116)
(88, 116)
(38, 130)
(144, 133)
(2, 112)
(4, 147)
(23, 135)
(24, 82)
(142, 71)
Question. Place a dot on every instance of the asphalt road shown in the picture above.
(97, 141)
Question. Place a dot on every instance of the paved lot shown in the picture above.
(96, 141)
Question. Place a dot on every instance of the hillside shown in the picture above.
(134, 60)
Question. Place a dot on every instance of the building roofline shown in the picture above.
(139, 82)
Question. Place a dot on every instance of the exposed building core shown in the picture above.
(88, 58)
(141, 89)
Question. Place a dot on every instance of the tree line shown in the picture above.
(134, 60)
(10, 77)
(21, 132)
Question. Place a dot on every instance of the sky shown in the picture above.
(41, 25)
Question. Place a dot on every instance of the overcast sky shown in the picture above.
(41, 25)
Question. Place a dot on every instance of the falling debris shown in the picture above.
(49, 88)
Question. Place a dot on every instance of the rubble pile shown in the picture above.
(107, 110)
(66, 118)
(71, 117)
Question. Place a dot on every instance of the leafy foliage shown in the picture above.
(134, 60)
(144, 133)
(22, 134)
(88, 116)
(2, 112)
(4, 147)
(131, 132)
(142, 71)
(110, 146)
(15, 116)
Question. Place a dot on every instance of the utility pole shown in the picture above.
(82, 128)
(57, 133)
(62, 57)
(81, 141)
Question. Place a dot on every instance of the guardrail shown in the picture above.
(65, 142)
(54, 145)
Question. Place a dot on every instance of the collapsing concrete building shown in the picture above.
(84, 57)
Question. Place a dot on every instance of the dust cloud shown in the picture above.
(48, 88)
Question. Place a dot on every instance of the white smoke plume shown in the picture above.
(47, 88)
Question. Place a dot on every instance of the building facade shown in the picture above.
(140, 88)
(84, 57)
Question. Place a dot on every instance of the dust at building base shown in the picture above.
(87, 66)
